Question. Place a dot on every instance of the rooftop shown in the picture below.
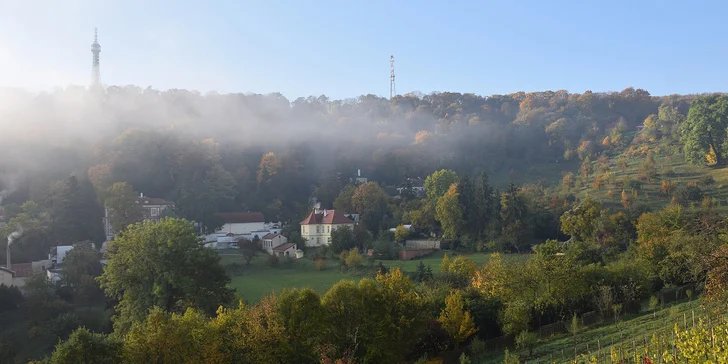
(326, 217)
(284, 247)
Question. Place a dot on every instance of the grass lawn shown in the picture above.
(259, 279)
(597, 339)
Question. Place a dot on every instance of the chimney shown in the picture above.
(141, 195)
(8, 265)
(326, 213)
(358, 172)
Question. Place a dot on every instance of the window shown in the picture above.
(318, 241)
(155, 211)
(318, 229)
(328, 229)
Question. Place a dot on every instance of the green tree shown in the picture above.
(81, 266)
(370, 202)
(123, 205)
(343, 200)
(75, 213)
(581, 220)
(450, 213)
(455, 320)
(84, 347)
(438, 183)
(354, 259)
(164, 265)
(204, 194)
(304, 320)
(248, 249)
(704, 131)
(342, 239)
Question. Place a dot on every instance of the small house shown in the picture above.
(271, 241)
(285, 250)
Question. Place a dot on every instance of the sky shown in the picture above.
(341, 48)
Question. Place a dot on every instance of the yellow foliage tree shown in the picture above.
(492, 279)
(455, 320)
(445, 263)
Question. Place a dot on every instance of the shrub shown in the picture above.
(273, 260)
(320, 264)
(706, 180)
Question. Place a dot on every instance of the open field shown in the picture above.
(260, 279)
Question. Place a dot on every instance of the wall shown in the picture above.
(422, 244)
(241, 228)
(319, 237)
(6, 278)
(411, 254)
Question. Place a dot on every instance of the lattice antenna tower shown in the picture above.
(392, 89)
(96, 70)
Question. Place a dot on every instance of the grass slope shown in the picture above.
(597, 340)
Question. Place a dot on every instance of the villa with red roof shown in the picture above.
(317, 227)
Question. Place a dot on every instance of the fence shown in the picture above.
(657, 343)
(411, 254)
(422, 244)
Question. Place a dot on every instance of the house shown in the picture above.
(409, 228)
(359, 179)
(152, 207)
(271, 241)
(6, 276)
(16, 274)
(241, 223)
(317, 227)
(285, 250)
(416, 185)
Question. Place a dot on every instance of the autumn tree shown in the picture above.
(438, 183)
(704, 131)
(455, 320)
(85, 347)
(400, 233)
(123, 205)
(450, 213)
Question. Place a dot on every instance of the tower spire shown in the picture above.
(392, 89)
(96, 49)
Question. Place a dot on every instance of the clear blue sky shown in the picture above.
(341, 48)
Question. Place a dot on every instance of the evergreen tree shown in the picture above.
(76, 214)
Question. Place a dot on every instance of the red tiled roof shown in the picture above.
(241, 217)
(270, 236)
(284, 247)
(326, 217)
(154, 201)
(22, 269)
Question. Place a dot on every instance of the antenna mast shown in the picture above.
(392, 90)
(95, 49)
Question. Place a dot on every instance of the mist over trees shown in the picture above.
(268, 153)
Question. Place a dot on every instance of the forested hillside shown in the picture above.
(264, 152)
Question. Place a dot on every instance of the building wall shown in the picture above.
(241, 228)
(410, 254)
(278, 240)
(422, 244)
(6, 278)
(320, 234)
(291, 252)
(19, 281)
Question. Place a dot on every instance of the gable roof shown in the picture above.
(22, 269)
(270, 236)
(241, 217)
(284, 247)
(326, 217)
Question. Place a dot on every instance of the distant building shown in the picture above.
(417, 185)
(359, 179)
(240, 223)
(153, 210)
(272, 240)
(285, 250)
(317, 227)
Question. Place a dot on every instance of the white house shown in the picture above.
(272, 240)
(317, 227)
